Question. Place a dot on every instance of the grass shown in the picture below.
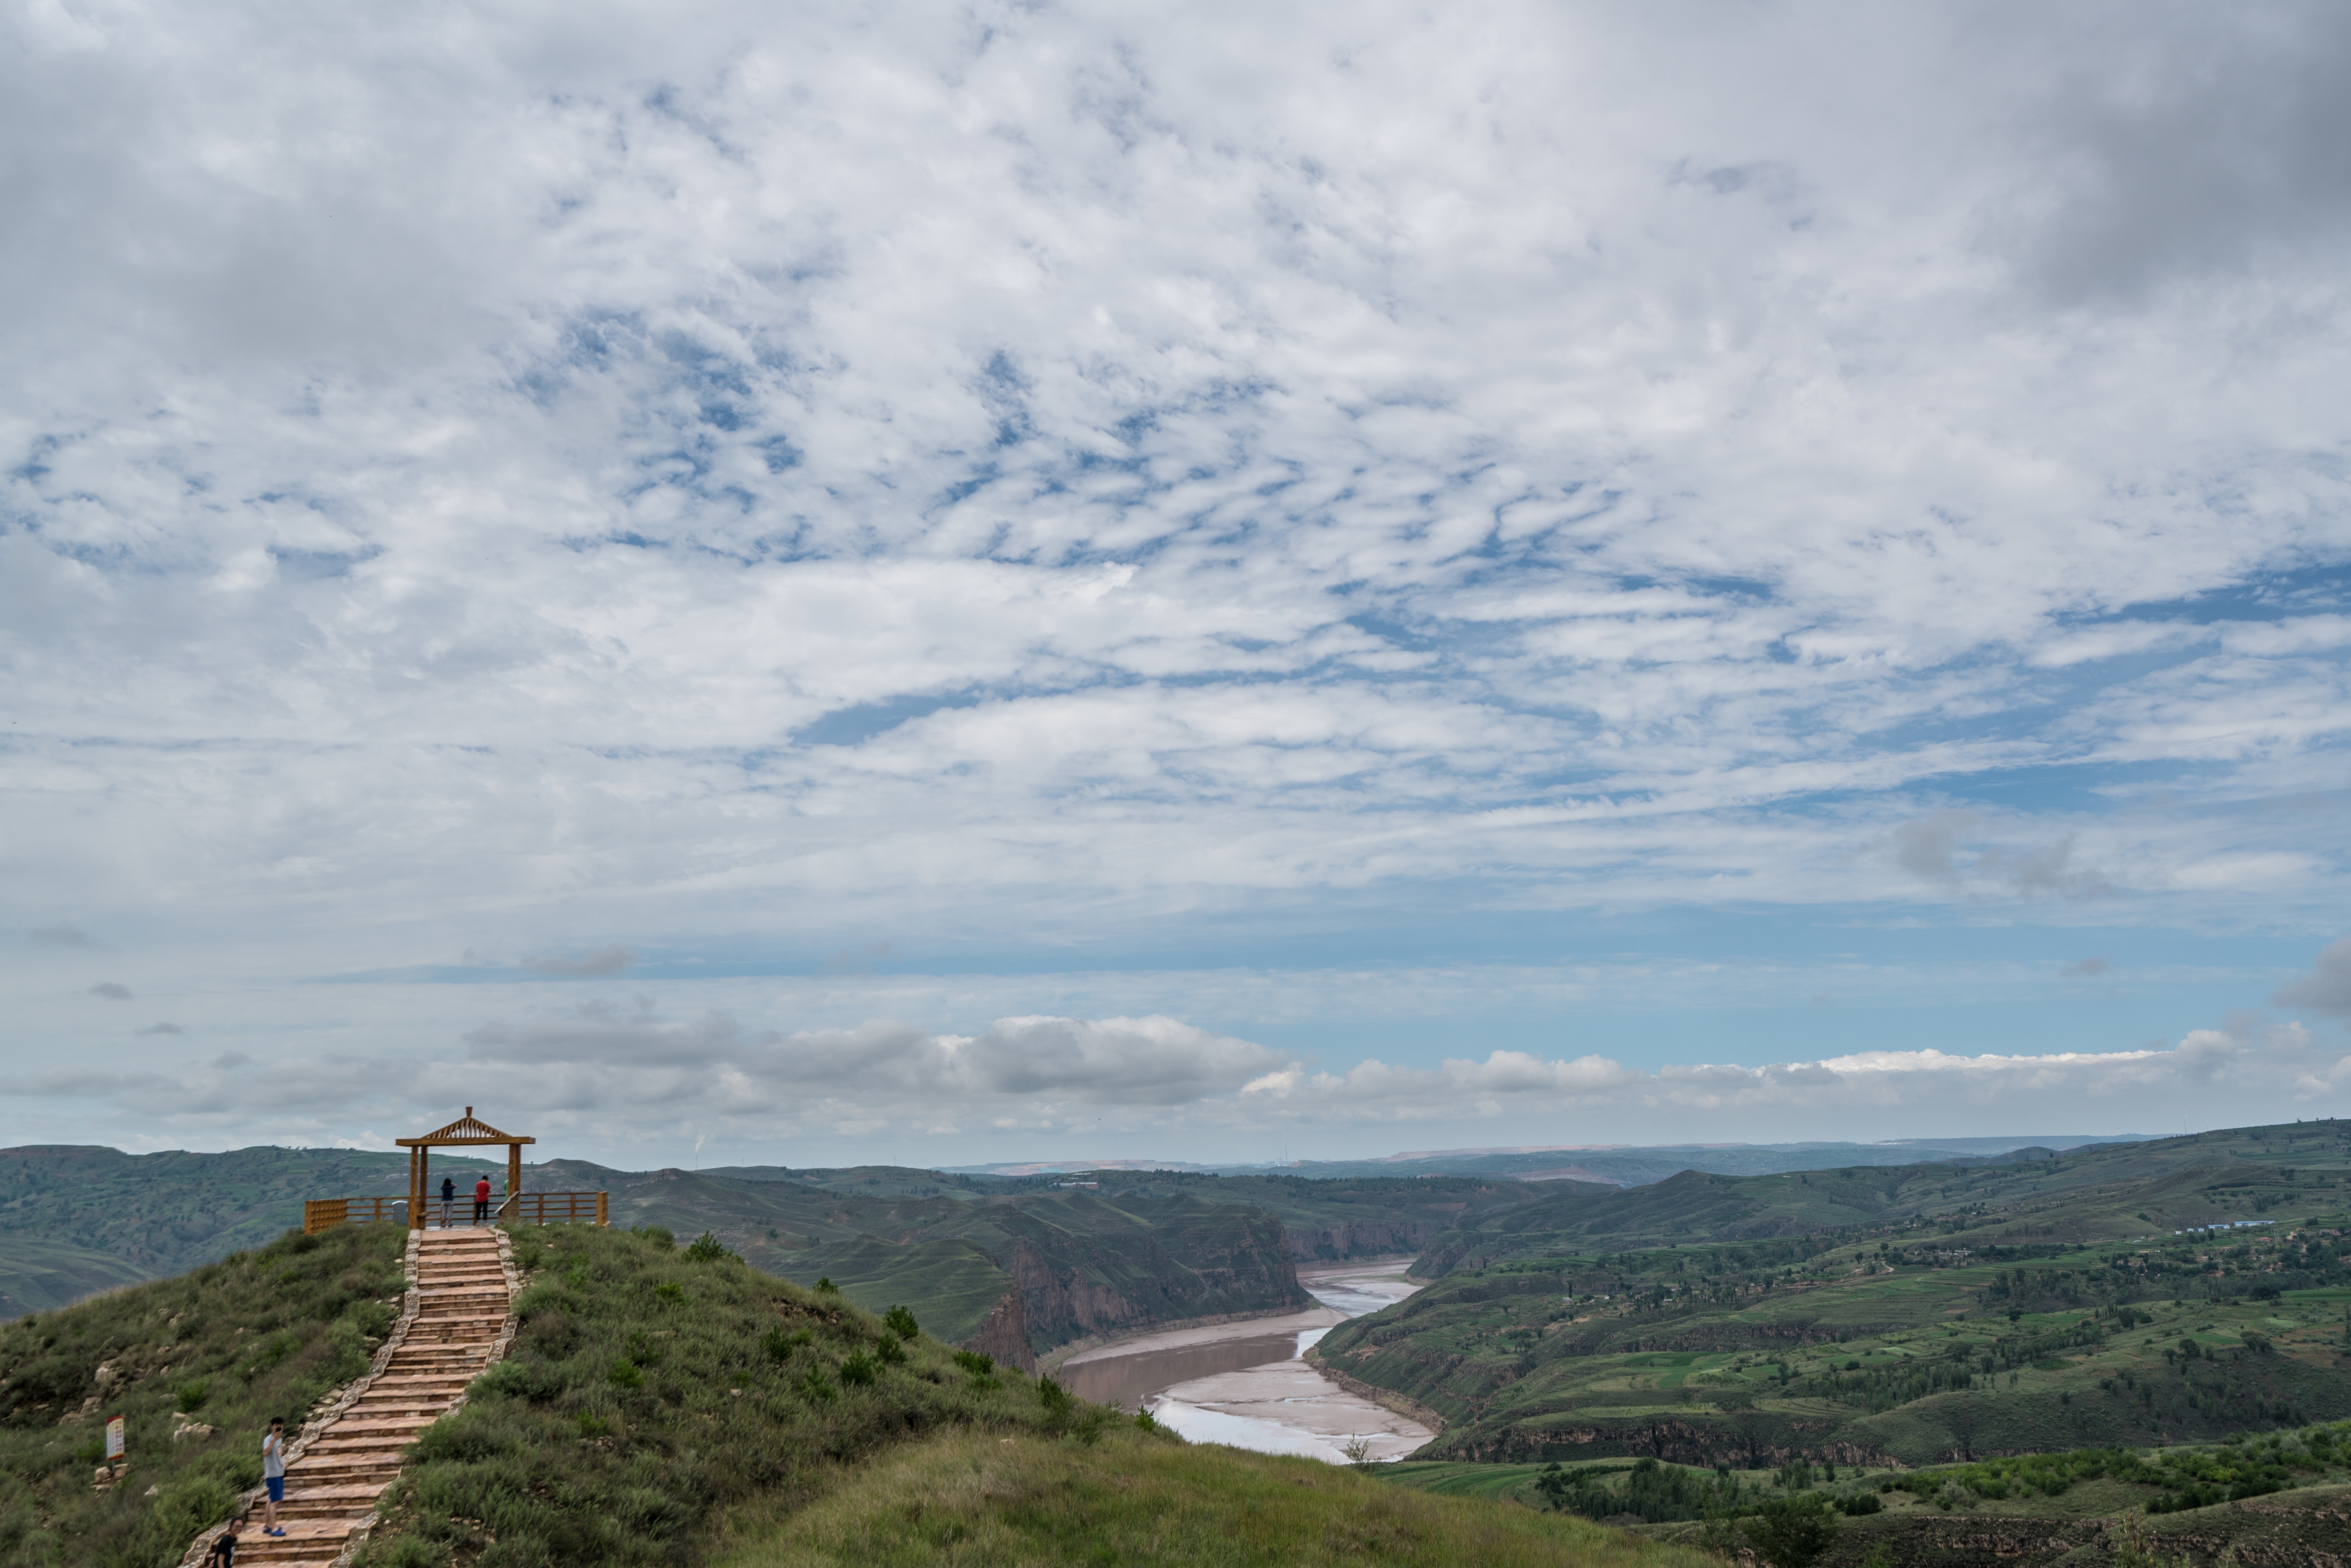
(261, 1333)
(972, 1500)
(663, 1408)
(651, 1393)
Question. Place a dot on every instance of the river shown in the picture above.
(1244, 1383)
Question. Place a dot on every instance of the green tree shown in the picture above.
(1792, 1532)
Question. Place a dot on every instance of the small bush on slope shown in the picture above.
(967, 1500)
(649, 1391)
(259, 1334)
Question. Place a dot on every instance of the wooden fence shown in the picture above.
(555, 1209)
(323, 1213)
(522, 1208)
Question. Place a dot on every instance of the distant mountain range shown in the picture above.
(1618, 1164)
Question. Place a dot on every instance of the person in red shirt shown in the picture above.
(481, 1200)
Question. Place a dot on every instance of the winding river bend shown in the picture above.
(1244, 1383)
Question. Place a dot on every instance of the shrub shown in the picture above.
(187, 1507)
(403, 1552)
(1791, 1533)
(859, 1370)
(656, 1235)
(193, 1394)
(826, 1287)
(892, 1351)
(707, 1249)
(625, 1373)
(780, 1342)
(669, 1291)
(814, 1388)
(1861, 1503)
(979, 1363)
(900, 1323)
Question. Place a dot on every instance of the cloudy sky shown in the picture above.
(957, 582)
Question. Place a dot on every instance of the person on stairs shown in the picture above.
(482, 1200)
(448, 1197)
(273, 1473)
(223, 1552)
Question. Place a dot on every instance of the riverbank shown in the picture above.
(1243, 1383)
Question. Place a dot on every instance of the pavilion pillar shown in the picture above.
(514, 1173)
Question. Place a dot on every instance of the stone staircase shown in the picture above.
(462, 1283)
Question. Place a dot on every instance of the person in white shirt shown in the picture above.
(273, 1473)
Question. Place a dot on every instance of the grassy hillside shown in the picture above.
(1328, 1220)
(2275, 1499)
(1985, 1332)
(1077, 1263)
(668, 1406)
(260, 1334)
(42, 1275)
(153, 1215)
(973, 1501)
(665, 1408)
(2106, 1191)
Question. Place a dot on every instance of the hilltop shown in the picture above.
(673, 1406)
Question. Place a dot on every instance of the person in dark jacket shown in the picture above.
(448, 1197)
(223, 1552)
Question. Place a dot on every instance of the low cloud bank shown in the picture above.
(615, 1076)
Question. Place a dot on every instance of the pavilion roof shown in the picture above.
(465, 1129)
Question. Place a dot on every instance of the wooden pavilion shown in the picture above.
(464, 1132)
(517, 1207)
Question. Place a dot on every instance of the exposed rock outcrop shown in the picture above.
(1360, 1239)
(1004, 1334)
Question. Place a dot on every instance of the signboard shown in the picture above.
(114, 1439)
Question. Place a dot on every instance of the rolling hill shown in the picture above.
(1878, 1316)
(669, 1405)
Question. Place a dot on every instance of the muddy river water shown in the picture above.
(1244, 1383)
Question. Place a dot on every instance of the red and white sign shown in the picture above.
(114, 1437)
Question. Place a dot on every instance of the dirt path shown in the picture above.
(462, 1285)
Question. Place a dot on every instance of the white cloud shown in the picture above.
(567, 482)
(2327, 988)
(883, 1085)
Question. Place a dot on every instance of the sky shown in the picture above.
(813, 583)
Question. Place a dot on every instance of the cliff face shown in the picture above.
(1360, 1239)
(1101, 1270)
(1004, 1333)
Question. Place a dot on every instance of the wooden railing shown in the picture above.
(555, 1209)
(324, 1213)
(522, 1208)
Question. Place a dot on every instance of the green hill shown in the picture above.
(1888, 1315)
(153, 1215)
(666, 1406)
(42, 1275)
(2281, 1499)
(216, 1351)
(1015, 1273)
(1016, 1266)
(2107, 1190)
